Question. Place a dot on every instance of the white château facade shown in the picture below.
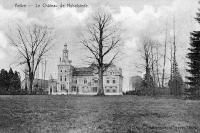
(84, 80)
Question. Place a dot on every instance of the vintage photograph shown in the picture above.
(99, 66)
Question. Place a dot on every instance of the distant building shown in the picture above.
(84, 80)
(134, 83)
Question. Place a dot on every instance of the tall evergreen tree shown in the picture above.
(11, 83)
(175, 83)
(194, 63)
(4, 82)
(16, 83)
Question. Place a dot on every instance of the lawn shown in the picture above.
(52, 114)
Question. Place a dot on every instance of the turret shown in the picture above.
(65, 52)
(65, 58)
(64, 72)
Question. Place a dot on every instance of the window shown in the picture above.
(60, 70)
(65, 71)
(96, 81)
(85, 81)
(75, 81)
(113, 81)
(65, 78)
(62, 86)
(74, 89)
(107, 90)
(94, 89)
(107, 81)
(114, 90)
(50, 90)
(60, 78)
(55, 89)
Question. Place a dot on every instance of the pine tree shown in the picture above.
(4, 82)
(17, 83)
(11, 83)
(194, 63)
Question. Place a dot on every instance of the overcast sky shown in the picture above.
(137, 17)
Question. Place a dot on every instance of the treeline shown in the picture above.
(156, 81)
(10, 83)
(155, 57)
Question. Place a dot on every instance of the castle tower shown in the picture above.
(64, 72)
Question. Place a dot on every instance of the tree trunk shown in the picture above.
(31, 78)
(157, 69)
(164, 62)
(100, 90)
(152, 65)
(171, 69)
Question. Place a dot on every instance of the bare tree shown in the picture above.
(157, 65)
(33, 42)
(171, 60)
(148, 57)
(151, 60)
(153, 63)
(102, 41)
(164, 57)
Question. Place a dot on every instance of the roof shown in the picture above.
(83, 71)
(86, 71)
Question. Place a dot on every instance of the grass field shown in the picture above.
(52, 114)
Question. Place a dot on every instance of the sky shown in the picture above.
(136, 17)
